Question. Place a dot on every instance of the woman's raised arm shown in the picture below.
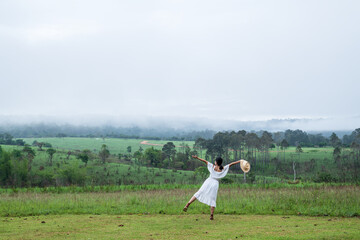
(203, 160)
(233, 163)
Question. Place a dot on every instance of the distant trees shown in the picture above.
(14, 169)
(353, 137)
(200, 144)
(138, 156)
(61, 135)
(40, 145)
(255, 148)
(128, 149)
(17, 168)
(265, 142)
(335, 140)
(104, 153)
(51, 153)
(8, 139)
(5, 168)
(284, 145)
(84, 156)
(30, 154)
(19, 142)
(169, 152)
(317, 140)
(299, 149)
(50, 130)
(153, 156)
(297, 137)
(252, 142)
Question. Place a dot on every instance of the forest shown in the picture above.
(274, 157)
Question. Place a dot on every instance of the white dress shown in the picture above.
(208, 192)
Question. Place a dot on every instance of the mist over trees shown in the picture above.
(53, 130)
(7, 133)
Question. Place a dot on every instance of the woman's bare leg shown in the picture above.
(212, 209)
(188, 204)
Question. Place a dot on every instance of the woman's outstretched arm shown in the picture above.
(203, 160)
(233, 163)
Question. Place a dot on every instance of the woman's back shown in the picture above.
(217, 175)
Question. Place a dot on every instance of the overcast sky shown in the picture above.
(230, 60)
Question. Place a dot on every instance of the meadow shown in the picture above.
(277, 199)
(120, 199)
(122, 170)
(117, 145)
(182, 226)
(273, 211)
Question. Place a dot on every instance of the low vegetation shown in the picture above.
(277, 199)
(195, 226)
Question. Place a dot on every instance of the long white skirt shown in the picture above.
(208, 192)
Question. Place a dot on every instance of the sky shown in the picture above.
(224, 61)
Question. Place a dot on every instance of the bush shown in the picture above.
(227, 180)
(42, 178)
(72, 175)
(324, 177)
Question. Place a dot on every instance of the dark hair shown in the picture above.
(219, 161)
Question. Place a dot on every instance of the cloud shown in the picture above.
(233, 60)
(45, 33)
(186, 123)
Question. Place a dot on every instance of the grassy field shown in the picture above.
(115, 145)
(321, 200)
(120, 211)
(178, 227)
(275, 211)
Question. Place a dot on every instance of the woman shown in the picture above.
(208, 192)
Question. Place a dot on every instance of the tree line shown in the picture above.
(16, 166)
(255, 148)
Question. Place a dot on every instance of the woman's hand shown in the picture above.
(194, 156)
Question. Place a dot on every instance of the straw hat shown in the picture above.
(245, 165)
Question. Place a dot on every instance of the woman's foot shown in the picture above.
(211, 217)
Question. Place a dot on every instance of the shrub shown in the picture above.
(72, 175)
(324, 177)
(227, 180)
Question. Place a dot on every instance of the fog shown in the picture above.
(183, 64)
(187, 124)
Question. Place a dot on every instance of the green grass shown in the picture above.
(323, 156)
(310, 201)
(119, 188)
(178, 227)
(115, 145)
